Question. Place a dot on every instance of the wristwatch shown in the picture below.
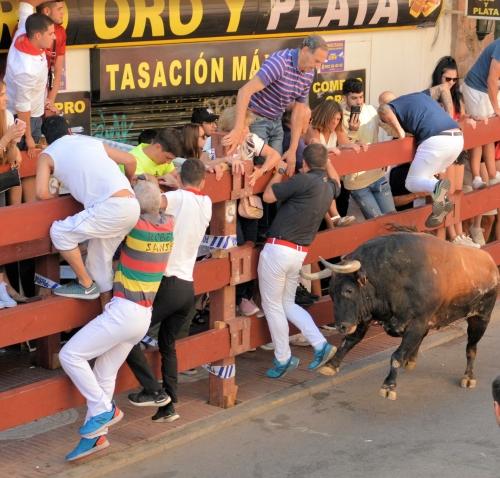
(281, 170)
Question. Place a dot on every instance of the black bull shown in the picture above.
(411, 283)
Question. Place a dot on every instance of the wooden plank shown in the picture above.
(46, 397)
(211, 274)
(47, 348)
(32, 221)
(46, 317)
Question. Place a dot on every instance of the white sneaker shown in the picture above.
(478, 183)
(496, 179)
(477, 235)
(470, 241)
(269, 346)
(5, 299)
(299, 340)
(248, 307)
(465, 241)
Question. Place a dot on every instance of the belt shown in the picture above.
(450, 133)
(291, 245)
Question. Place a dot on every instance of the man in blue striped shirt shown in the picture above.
(283, 81)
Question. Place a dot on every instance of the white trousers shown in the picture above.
(278, 271)
(433, 156)
(104, 225)
(109, 337)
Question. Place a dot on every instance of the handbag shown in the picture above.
(9, 179)
(251, 207)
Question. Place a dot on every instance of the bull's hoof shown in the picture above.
(387, 393)
(467, 382)
(328, 370)
(410, 365)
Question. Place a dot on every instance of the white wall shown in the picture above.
(397, 60)
(77, 70)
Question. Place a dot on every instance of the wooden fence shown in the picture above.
(24, 234)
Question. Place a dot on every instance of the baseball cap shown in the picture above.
(203, 115)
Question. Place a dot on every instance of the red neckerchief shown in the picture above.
(195, 191)
(24, 45)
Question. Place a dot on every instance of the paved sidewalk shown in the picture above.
(38, 449)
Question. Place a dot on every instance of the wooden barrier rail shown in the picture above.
(24, 234)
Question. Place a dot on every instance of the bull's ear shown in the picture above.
(361, 277)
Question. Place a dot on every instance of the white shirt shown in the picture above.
(252, 146)
(26, 72)
(83, 166)
(192, 213)
(332, 140)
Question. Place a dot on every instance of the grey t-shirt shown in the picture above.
(478, 74)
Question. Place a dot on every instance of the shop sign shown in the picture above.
(116, 22)
(161, 70)
(328, 86)
(484, 9)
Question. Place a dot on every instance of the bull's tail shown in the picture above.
(394, 227)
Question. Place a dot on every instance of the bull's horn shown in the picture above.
(316, 275)
(345, 267)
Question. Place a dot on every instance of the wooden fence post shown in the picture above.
(222, 392)
(48, 347)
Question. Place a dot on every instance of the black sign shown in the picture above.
(114, 22)
(487, 9)
(137, 72)
(75, 107)
(328, 86)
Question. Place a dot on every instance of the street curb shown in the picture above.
(252, 408)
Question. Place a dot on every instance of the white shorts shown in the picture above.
(104, 226)
(477, 103)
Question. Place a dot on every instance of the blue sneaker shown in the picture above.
(97, 424)
(321, 356)
(281, 369)
(87, 446)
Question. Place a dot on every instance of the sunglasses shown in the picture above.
(447, 78)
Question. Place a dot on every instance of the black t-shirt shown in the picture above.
(397, 179)
(305, 200)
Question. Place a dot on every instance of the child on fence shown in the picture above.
(124, 321)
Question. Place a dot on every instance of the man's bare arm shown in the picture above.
(387, 116)
(442, 94)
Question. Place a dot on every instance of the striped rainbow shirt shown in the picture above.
(143, 260)
(284, 84)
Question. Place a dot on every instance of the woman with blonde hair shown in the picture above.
(250, 147)
(326, 129)
(10, 134)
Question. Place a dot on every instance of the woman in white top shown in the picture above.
(10, 135)
(326, 128)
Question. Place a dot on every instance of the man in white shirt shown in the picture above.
(192, 211)
(26, 72)
(89, 170)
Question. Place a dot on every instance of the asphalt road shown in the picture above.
(433, 429)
